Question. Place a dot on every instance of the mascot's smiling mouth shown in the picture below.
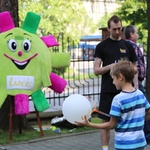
(21, 64)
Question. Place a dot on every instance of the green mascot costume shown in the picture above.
(26, 63)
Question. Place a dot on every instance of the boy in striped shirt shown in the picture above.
(128, 110)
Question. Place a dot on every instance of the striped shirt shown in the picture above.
(129, 108)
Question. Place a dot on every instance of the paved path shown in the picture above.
(88, 140)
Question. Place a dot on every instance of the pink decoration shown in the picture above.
(20, 53)
(58, 83)
(21, 103)
(50, 41)
(6, 22)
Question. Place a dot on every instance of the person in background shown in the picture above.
(107, 53)
(131, 35)
(128, 110)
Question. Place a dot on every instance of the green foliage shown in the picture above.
(103, 21)
(59, 16)
(135, 12)
(71, 18)
(131, 12)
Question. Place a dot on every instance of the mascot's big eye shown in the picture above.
(12, 44)
(26, 45)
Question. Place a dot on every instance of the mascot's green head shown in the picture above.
(25, 58)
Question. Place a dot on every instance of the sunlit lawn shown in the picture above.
(34, 134)
(75, 75)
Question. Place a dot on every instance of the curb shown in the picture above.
(52, 137)
(62, 136)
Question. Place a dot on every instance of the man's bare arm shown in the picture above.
(135, 80)
(147, 117)
(135, 67)
(98, 69)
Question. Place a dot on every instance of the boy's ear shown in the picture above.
(120, 76)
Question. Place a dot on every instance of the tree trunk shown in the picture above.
(5, 115)
(12, 7)
(148, 54)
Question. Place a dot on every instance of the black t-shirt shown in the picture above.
(110, 51)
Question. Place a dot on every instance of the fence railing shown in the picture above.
(79, 75)
(87, 85)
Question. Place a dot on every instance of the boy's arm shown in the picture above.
(107, 125)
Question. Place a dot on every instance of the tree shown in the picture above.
(12, 7)
(148, 54)
(8, 5)
(55, 18)
(59, 16)
(135, 12)
(131, 12)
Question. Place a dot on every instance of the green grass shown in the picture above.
(75, 74)
(34, 134)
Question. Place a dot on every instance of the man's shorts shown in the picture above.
(105, 104)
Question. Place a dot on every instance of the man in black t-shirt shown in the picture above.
(107, 53)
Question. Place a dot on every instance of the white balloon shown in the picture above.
(75, 107)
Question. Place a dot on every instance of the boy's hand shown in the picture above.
(84, 123)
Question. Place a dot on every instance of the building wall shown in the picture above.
(98, 8)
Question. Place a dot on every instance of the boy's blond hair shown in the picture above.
(125, 68)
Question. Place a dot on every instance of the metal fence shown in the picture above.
(79, 75)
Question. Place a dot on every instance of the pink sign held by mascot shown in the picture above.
(26, 63)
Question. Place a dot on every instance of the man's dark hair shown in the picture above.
(114, 19)
(127, 30)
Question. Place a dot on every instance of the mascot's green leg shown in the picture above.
(39, 100)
